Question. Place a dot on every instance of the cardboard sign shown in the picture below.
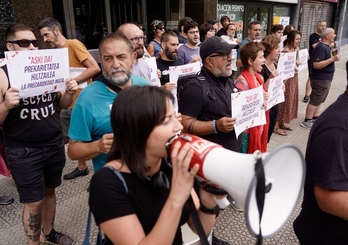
(286, 65)
(36, 72)
(303, 56)
(155, 81)
(275, 91)
(247, 108)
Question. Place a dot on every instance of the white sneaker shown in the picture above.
(307, 124)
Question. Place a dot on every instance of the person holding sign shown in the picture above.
(51, 31)
(169, 57)
(288, 110)
(251, 55)
(90, 131)
(34, 144)
(269, 70)
(321, 76)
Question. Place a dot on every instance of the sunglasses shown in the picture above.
(24, 43)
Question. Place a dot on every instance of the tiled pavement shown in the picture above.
(72, 196)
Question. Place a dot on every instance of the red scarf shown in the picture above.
(255, 141)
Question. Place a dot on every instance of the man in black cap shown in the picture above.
(208, 113)
(212, 122)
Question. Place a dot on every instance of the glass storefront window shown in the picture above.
(281, 15)
(236, 14)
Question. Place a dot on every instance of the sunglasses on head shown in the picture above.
(24, 43)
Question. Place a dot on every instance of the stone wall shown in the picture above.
(23, 11)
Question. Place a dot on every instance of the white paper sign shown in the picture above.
(275, 91)
(286, 65)
(74, 72)
(155, 81)
(2, 62)
(36, 72)
(180, 71)
(303, 56)
(247, 108)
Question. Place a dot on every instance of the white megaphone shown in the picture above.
(284, 172)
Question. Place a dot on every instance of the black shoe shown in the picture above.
(306, 99)
(76, 173)
(5, 200)
(57, 238)
(217, 241)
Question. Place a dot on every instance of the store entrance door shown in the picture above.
(262, 14)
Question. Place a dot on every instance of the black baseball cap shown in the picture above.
(212, 22)
(215, 45)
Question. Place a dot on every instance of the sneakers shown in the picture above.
(306, 99)
(217, 241)
(234, 204)
(6, 200)
(307, 124)
(76, 173)
(56, 238)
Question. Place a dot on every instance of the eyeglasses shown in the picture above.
(24, 43)
(224, 56)
(138, 38)
(192, 32)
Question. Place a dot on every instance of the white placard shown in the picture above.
(247, 108)
(36, 72)
(76, 71)
(275, 91)
(180, 71)
(155, 81)
(286, 65)
(303, 56)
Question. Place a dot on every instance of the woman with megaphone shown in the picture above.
(148, 202)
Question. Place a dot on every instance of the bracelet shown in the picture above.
(214, 127)
(211, 211)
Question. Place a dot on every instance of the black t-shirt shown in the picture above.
(327, 167)
(192, 104)
(314, 38)
(108, 200)
(322, 52)
(163, 66)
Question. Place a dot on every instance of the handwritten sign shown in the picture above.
(303, 56)
(180, 71)
(36, 72)
(286, 65)
(275, 91)
(155, 81)
(247, 108)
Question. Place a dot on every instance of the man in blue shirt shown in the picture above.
(90, 130)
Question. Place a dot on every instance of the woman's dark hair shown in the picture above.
(203, 29)
(288, 29)
(290, 39)
(135, 112)
(249, 51)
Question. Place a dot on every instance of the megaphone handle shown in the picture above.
(222, 203)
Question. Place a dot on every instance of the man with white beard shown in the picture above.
(90, 130)
(169, 57)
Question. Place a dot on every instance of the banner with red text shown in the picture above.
(36, 72)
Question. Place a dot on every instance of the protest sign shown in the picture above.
(303, 56)
(180, 71)
(74, 72)
(247, 108)
(275, 91)
(36, 72)
(286, 65)
(155, 81)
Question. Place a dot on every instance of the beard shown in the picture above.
(222, 73)
(119, 79)
(171, 55)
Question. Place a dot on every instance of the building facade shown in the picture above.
(105, 16)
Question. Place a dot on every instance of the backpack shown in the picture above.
(205, 85)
